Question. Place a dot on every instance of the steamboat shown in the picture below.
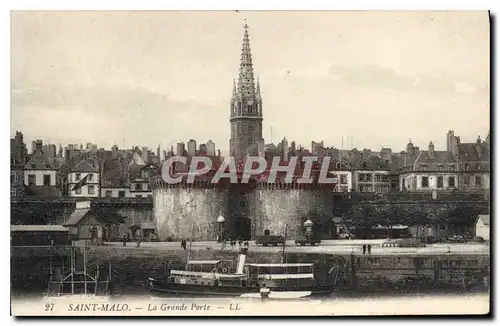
(219, 278)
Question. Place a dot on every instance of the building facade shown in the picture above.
(463, 166)
(84, 180)
(18, 152)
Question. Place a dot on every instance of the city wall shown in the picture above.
(188, 211)
(275, 207)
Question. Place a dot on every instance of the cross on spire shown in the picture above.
(246, 80)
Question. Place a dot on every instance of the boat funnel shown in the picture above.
(241, 263)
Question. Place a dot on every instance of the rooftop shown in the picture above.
(34, 228)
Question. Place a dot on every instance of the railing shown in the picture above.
(461, 195)
(94, 200)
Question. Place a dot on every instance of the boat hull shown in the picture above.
(160, 287)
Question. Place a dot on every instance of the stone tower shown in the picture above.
(246, 107)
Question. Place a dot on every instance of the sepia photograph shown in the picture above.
(250, 163)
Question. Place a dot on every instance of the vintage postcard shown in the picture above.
(250, 163)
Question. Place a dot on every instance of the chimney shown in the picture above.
(432, 154)
(284, 149)
(260, 147)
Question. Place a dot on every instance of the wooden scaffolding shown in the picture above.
(86, 279)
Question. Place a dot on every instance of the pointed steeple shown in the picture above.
(257, 92)
(246, 86)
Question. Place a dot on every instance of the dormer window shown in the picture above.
(33, 166)
(452, 167)
(424, 167)
(466, 167)
(440, 167)
(47, 166)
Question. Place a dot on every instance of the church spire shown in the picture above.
(246, 86)
(257, 91)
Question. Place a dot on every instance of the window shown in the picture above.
(478, 180)
(451, 182)
(47, 166)
(403, 183)
(466, 167)
(149, 196)
(78, 191)
(343, 179)
(440, 182)
(147, 186)
(91, 190)
(46, 179)
(77, 176)
(425, 182)
(138, 186)
(121, 193)
(90, 177)
(13, 177)
(33, 166)
(31, 179)
(466, 180)
(109, 193)
(138, 196)
(13, 192)
(440, 167)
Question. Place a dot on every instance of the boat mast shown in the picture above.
(190, 244)
(283, 256)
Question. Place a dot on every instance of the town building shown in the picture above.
(462, 166)
(482, 227)
(84, 224)
(18, 152)
(41, 176)
(84, 180)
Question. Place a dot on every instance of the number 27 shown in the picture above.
(49, 306)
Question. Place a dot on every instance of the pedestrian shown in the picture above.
(223, 244)
(183, 244)
(124, 239)
(369, 249)
(364, 249)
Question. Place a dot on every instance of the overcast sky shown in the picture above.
(157, 77)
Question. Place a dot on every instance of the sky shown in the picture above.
(352, 79)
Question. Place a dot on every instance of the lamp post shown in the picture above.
(308, 226)
(220, 223)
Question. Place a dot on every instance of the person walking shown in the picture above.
(364, 249)
(369, 249)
